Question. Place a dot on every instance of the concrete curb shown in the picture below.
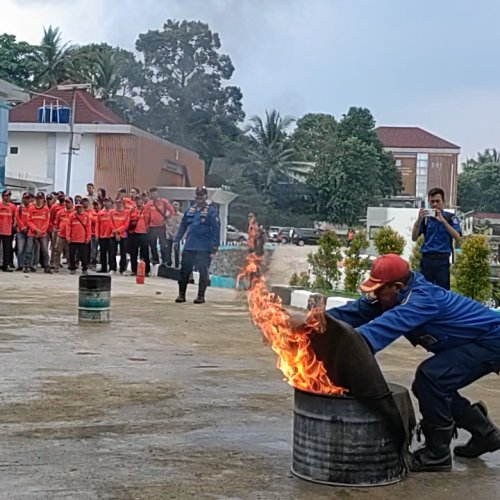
(304, 299)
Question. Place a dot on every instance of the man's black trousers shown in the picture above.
(436, 269)
(440, 377)
(199, 260)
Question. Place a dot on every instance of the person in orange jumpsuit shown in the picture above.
(22, 230)
(55, 208)
(78, 233)
(7, 222)
(94, 240)
(104, 231)
(158, 210)
(38, 224)
(138, 237)
(60, 226)
(120, 219)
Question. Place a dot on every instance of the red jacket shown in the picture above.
(62, 221)
(54, 210)
(104, 229)
(93, 221)
(38, 218)
(22, 217)
(128, 203)
(78, 229)
(119, 222)
(158, 212)
(138, 216)
(7, 218)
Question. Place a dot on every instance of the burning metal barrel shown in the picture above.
(340, 440)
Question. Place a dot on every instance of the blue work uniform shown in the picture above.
(463, 335)
(203, 238)
(437, 248)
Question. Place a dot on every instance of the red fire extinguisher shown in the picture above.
(141, 271)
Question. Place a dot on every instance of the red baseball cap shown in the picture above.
(385, 269)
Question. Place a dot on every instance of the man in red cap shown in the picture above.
(7, 222)
(22, 229)
(60, 226)
(78, 234)
(464, 337)
(38, 224)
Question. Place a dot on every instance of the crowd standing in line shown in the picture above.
(89, 231)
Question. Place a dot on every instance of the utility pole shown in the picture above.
(74, 87)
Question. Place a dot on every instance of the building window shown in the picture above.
(14, 150)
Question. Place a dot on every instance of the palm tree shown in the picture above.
(53, 55)
(270, 157)
(107, 77)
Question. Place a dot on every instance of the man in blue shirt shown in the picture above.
(464, 337)
(439, 230)
(202, 241)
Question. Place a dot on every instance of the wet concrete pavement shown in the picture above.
(167, 401)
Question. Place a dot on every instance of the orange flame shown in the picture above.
(296, 359)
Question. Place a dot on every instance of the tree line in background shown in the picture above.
(176, 86)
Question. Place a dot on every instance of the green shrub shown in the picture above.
(387, 240)
(354, 265)
(415, 254)
(325, 261)
(300, 280)
(472, 271)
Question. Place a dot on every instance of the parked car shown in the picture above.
(233, 234)
(284, 235)
(272, 233)
(306, 236)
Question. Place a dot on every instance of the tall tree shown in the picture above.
(185, 97)
(345, 181)
(18, 61)
(312, 135)
(478, 187)
(53, 56)
(270, 156)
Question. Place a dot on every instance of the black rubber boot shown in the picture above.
(435, 456)
(199, 300)
(485, 436)
(182, 292)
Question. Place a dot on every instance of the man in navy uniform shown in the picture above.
(464, 337)
(439, 230)
(202, 241)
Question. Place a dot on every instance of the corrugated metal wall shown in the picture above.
(116, 162)
(125, 161)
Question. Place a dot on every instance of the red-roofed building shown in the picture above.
(107, 151)
(424, 160)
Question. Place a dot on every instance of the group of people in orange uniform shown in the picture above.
(87, 229)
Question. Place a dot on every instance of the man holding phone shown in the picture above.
(439, 228)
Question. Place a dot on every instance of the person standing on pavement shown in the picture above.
(7, 222)
(202, 242)
(94, 240)
(439, 228)
(78, 234)
(60, 226)
(104, 230)
(464, 337)
(158, 210)
(120, 220)
(38, 244)
(138, 237)
(22, 230)
(173, 224)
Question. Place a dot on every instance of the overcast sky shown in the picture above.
(427, 63)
